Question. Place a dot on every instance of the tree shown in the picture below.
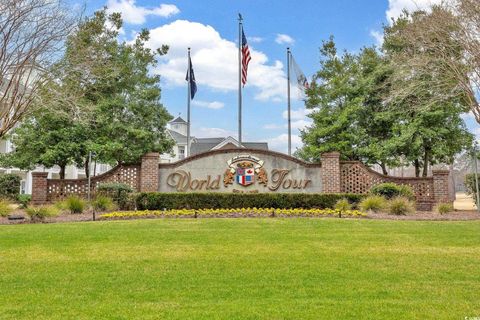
(353, 112)
(447, 41)
(31, 33)
(334, 104)
(348, 114)
(429, 129)
(47, 138)
(104, 99)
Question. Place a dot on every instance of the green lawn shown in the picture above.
(241, 269)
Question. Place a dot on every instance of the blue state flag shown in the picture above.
(191, 78)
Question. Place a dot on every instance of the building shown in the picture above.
(177, 129)
(71, 171)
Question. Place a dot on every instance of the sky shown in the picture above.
(210, 29)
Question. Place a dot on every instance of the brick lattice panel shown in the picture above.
(59, 189)
(357, 178)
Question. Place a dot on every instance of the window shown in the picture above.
(23, 187)
(181, 152)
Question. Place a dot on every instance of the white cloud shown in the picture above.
(378, 36)
(298, 114)
(133, 14)
(254, 39)
(300, 124)
(208, 104)
(297, 124)
(204, 132)
(215, 61)
(395, 7)
(284, 39)
(272, 126)
(280, 143)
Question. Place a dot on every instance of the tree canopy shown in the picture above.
(355, 111)
(103, 99)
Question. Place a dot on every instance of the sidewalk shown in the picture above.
(464, 202)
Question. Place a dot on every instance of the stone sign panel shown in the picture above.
(234, 170)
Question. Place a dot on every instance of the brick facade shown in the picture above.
(331, 172)
(337, 177)
(149, 172)
(39, 187)
(441, 186)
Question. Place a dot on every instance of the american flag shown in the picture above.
(245, 58)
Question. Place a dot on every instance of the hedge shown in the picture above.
(470, 185)
(169, 201)
(9, 186)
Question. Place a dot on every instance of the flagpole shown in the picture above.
(240, 79)
(188, 104)
(288, 105)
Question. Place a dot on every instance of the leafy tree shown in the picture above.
(47, 138)
(105, 100)
(354, 112)
(333, 99)
(348, 113)
(429, 129)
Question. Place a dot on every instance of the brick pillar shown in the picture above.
(331, 172)
(440, 186)
(39, 188)
(149, 172)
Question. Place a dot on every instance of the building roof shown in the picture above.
(178, 137)
(200, 145)
(178, 120)
(256, 145)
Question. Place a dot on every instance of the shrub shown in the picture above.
(343, 205)
(74, 204)
(41, 212)
(160, 200)
(102, 203)
(24, 200)
(5, 207)
(373, 203)
(9, 186)
(443, 208)
(391, 190)
(401, 206)
(119, 192)
(470, 186)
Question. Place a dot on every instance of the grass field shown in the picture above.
(241, 269)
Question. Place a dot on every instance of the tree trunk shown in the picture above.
(416, 163)
(384, 168)
(426, 160)
(87, 167)
(62, 171)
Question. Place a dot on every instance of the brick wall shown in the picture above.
(39, 187)
(331, 172)
(149, 172)
(337, 177)
(358, 178)
(441, 186)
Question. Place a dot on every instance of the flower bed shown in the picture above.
(239, 212)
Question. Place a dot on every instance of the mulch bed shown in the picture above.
(419, 216)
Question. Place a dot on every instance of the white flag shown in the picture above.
(302, 82)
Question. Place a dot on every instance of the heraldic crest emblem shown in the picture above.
(243, 169)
